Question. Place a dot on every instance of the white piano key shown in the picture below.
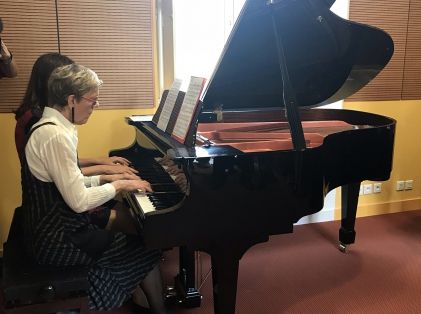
(144, 203)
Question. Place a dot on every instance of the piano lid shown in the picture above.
(328, 58)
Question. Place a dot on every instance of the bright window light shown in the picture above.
(201, 28)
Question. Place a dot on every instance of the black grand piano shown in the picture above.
(258, 155)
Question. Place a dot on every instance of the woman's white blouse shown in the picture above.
(51, 153)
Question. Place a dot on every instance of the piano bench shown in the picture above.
(32, 288)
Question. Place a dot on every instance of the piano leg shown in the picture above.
(349, 206)
(185, 280)
(224, 278)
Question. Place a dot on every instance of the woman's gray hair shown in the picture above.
(72, 79)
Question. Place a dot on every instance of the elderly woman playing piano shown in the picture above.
(57, 197)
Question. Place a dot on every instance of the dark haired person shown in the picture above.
(8, 66)
(57, 198)
(32, 106)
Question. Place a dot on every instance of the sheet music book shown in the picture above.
(169, 103)
(188, 108)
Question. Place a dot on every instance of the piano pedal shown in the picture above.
(177, 296)
(170, 297)
(342, 247)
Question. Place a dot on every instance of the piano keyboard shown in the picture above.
(149, 202)
(166, 193)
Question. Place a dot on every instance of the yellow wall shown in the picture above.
(105, 130)
(406, 164)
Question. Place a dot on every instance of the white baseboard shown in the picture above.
(385, 208)
(364, 210)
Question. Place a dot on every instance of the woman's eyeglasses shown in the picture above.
(95, 102)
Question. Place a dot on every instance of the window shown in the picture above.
(401, 78)
(201, 28)
(114, 38)
(29, 31)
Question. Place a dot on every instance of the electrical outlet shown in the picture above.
(409, 184)
(377, 187)
(368, 188)
(400, 185)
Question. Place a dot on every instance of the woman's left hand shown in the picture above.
(111, 161)
(107, 178)
(116, 169)
(115, 160)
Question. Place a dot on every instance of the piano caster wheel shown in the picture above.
(342, 247)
